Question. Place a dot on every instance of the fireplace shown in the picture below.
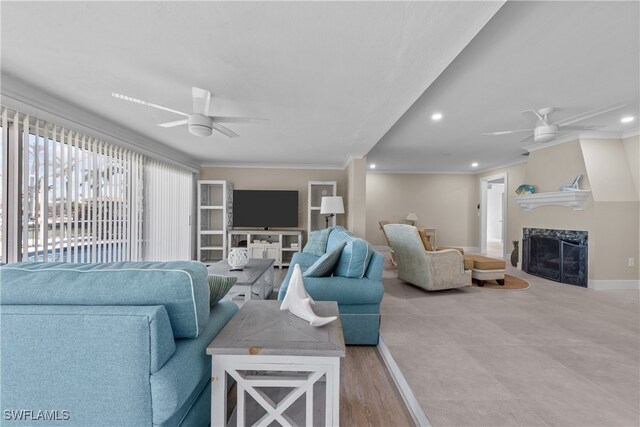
(559, 255)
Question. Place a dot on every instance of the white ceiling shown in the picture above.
(575, 56)
(334, 78)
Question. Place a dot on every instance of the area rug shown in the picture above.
(511, 283)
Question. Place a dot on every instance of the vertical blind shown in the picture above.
(84, 200)
(167, 221)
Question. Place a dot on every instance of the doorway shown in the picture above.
(493, 215)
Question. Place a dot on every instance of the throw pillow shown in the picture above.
(425, 239)
(354, 259)
(324, 266)
(317, 242)
(219, 286)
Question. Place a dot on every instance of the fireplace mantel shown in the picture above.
(572, 199)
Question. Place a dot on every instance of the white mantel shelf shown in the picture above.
(572, 199)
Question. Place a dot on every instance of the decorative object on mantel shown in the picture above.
(238, 258)
(525, 189)
(298, 301)
(572, 199)
(330, 206)
(575, 185)
(412, 217)
(514, 253)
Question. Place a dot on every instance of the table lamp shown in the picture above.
(330, 206)
(412, 217)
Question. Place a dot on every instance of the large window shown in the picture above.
(81, 199)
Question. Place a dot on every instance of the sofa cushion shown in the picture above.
(94, 361)
(354, 259)
(180, 286)
(305, 260)
(324, 266)
(317, 242)
(176, 386)
(485, 263)
(337, 236)
(219, 286)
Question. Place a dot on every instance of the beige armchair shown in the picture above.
(382, 224)
(429, 270)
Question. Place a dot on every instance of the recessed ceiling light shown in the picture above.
(474, 164)
(627, 119)
(436, 116)
(372, 166)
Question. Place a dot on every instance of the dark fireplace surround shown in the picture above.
(559, 255)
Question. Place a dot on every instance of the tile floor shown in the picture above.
(551, 355)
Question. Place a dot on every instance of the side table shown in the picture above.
(263, 349)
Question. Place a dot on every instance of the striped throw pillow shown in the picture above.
(219, 286)
(317, 242)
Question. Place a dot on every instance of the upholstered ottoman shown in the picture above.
(484, 268)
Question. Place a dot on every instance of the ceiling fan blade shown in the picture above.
(506, 132)
(148, 104)
(222, 129)
(595, 127)
(173, 124)
(534, 112)
(588, 114)
(226, 119)
(527, 139)
(201, 100)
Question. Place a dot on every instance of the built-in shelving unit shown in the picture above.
(316, 191)
(215, 208)
(575, 199)
(275, 244)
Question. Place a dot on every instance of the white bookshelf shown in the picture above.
(316, 191)
(215, 217)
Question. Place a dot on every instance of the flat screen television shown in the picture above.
(265, 208)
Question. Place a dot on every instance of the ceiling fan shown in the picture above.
(199, 122)
(546, 130)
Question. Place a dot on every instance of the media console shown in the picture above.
(279, 245)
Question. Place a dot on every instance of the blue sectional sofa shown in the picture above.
(358, 298)
(119, 344)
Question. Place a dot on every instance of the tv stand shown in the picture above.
(279, 245)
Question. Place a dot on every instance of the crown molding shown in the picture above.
(271, 166)
(629, 133)
(575, 136)
(21, 96)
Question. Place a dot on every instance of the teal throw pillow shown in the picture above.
(354, 259)
(219, 286)
(317, 242)
(324, 266)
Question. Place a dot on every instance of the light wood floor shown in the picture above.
(368, 396)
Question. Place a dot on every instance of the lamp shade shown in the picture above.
(332, 205)
(412, 216)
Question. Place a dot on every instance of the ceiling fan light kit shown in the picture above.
(200, 125)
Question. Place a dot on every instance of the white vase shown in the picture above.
(238, 258)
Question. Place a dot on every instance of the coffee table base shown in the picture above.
(299, 375)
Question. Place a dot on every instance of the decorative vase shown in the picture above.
(238, 258)
(514, 254)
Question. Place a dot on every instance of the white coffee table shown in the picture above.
(276, 358)
(255, 280)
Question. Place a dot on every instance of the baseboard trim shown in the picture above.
(410, 401)
(603, 285)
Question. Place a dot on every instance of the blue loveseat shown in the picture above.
(358, 298)
(118, 344)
